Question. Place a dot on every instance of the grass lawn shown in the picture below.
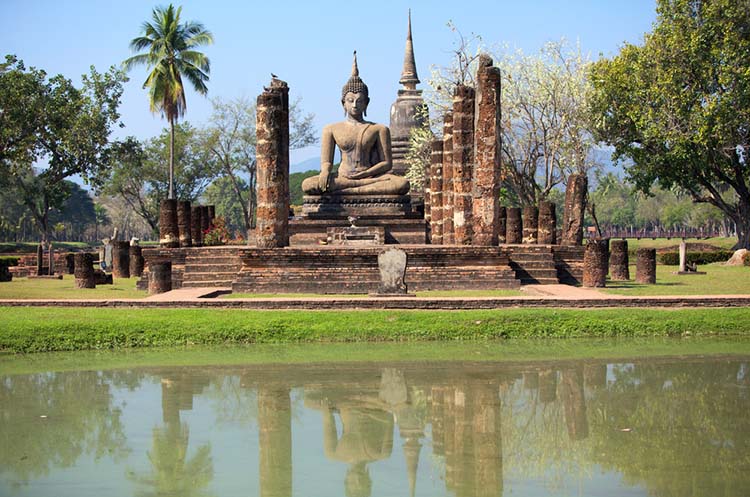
(718, 280)
(42, 329)
(434, 293)
(659, 243)
(25, 288)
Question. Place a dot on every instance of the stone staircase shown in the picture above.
(210, 267)
(534, 264)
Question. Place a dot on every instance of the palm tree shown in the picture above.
(170, 56)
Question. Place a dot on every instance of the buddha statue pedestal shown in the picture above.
(360, 206)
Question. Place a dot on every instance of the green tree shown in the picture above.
(136, 174)
(678, 106)
(170, 56)
(221, 193)
(50, 130)
(231, 138)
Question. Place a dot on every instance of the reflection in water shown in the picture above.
(661, 427)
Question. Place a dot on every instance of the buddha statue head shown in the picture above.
(354, 94)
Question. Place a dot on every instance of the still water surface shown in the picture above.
(661, 426)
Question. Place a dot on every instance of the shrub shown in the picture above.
(746, 259)
(219, 234)
(700, 258)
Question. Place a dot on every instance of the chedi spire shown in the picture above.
(409, 76)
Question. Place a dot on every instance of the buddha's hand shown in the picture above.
(324, 181)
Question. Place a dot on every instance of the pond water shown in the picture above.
(467, 422)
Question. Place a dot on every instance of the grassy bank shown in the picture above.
(431, 293)
(50, 329)
(25, 288)
(718, 280)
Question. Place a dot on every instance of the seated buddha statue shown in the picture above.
(365, 151)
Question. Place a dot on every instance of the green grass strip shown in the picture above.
(58, 329)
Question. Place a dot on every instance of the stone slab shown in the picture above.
(343, 206)
(355, 235)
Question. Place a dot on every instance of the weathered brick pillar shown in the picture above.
(487, 136)
(645, 266)
(205, 221)
(211, 209)
(159, 276)
(169, 235)
(463, 163)
(575, 208)
(275, 440)
(618, 261)
(530, 220)
(120, 259)
(84, 270)
(70, 265)
(50, 259)
(436, 193)
(448, 197)
(426, 200)
(514, 225)
(272, 226)
(502, 217)
(183, 223)
(136, 261)
(196, 231)
(40, 259)
(547, 226)
(595, 263)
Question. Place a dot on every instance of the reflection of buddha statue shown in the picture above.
(365, 151)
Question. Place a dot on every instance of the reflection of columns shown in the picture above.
(531, 380)
(547, 386)
(275, 441)
(437, 419)
(595, 375)
(488, 447)
(574, 403)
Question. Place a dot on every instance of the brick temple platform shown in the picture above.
(341, 270)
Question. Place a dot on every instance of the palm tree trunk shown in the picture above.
(171, 158)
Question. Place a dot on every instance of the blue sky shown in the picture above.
(308, 44)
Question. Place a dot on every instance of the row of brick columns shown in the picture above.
(463, 181)
(182, 224)
(602, 257)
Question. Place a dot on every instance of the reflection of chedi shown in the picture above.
(365, 151)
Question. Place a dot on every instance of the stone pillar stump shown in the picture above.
(169, 233)
(514, 225)
(547, 226)
(184, 223)
(618, 261)
(595, 263)
(645, 266)
(502, 220)
(120, 259)
(159, 277)
(136, 261)
(530, 219)
(196, 228)
(211, 209)
(205, 222)
(84, 270)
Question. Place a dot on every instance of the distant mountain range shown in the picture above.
(311, 164)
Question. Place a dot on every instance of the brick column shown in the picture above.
(272, 128)
(436, 192)
(196, 228)
(575, 207)
(547, 225)
(120, 259)
(183, 223)
(205, 220)
(595, 263)
(530, 220)
(84, 270)
(618, 261)
(514, 225)
(169, 235)
(448, 197)
(136, 261)
(463, 163)
(487, 136)
(645, 266)
(502, 225)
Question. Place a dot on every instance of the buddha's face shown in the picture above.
(355, 104)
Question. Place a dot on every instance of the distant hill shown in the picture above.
(311, 164)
